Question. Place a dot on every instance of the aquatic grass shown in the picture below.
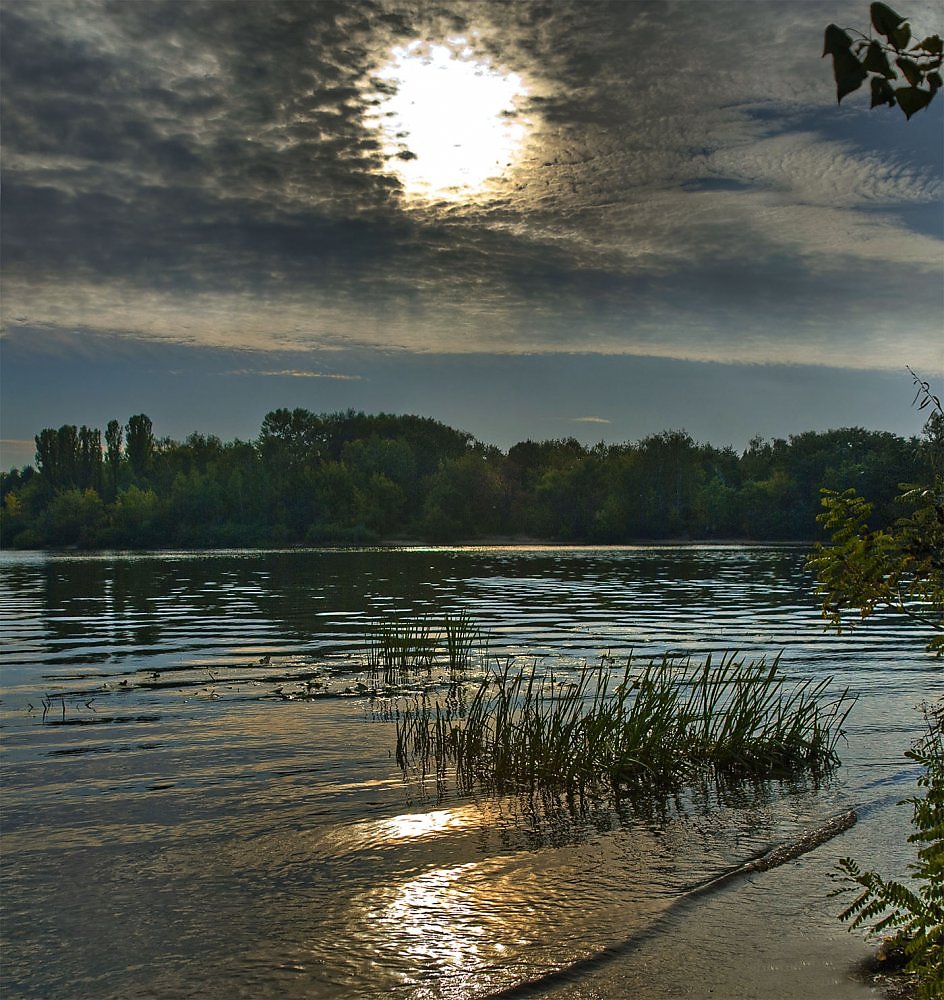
(400, 645)
(462, 640)
(397, 646)
(658, 723)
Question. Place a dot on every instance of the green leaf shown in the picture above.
(935, 82)
(885, 19)
(848, 73)
(877, 62)
(882, 92)
(901, 37)
(912, 99)
(836, 40)
(911, 70)
(932, 44)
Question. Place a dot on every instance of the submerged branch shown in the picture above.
(772, 858)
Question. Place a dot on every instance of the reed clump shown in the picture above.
(398, 647)
(659, 723)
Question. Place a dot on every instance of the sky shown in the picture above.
(528, 219)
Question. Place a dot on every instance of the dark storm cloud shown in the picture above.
(205, 172)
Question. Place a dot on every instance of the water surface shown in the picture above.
(200, 796)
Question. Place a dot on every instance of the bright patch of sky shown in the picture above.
(449, 122)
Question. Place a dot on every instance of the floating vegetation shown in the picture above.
(661, 723)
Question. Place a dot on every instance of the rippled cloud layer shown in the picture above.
(662, 179)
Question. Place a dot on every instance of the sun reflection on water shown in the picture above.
(458, 920)
(415, 826)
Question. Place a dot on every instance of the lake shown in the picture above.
(201, 796)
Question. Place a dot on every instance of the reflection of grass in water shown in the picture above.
(661, 724)
(399, 646)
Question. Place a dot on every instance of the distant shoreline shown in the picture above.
(491, 541)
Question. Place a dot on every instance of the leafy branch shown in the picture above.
(899, 566)
(856, 60)
(924, 399)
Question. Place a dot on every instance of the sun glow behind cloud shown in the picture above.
(450, 124)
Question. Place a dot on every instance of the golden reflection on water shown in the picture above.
(409, 826)
(462, 920)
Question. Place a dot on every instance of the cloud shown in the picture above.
(294, 373)
(206, 173)
(814, 171)
(589, 420)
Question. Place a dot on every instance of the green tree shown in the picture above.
(135, 518)
(68, 440)
(113, 442)
(899, 566)
(716, 509)
(527, 465)
(140, 443)
(89, 472)
(466, 499)
(856, 60)
(12, 517)
(73, 517)
(47, 455)
(669, 474)
(57, 456)
(196, 508)
(290, 438)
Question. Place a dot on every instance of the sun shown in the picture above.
(449, 119)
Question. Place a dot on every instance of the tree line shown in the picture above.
(354, 478)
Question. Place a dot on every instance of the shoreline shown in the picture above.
(393, 544)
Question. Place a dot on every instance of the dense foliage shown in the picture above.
(352, 477)
(915, 912)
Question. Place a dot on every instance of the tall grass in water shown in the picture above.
(397, 647)
(463, 641)
(659, 723)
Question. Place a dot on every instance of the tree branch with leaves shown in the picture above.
(857, 59)
(898, 567)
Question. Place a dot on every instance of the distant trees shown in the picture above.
(70, 457)
(352, 477)
(113, 442)
(140, 447)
